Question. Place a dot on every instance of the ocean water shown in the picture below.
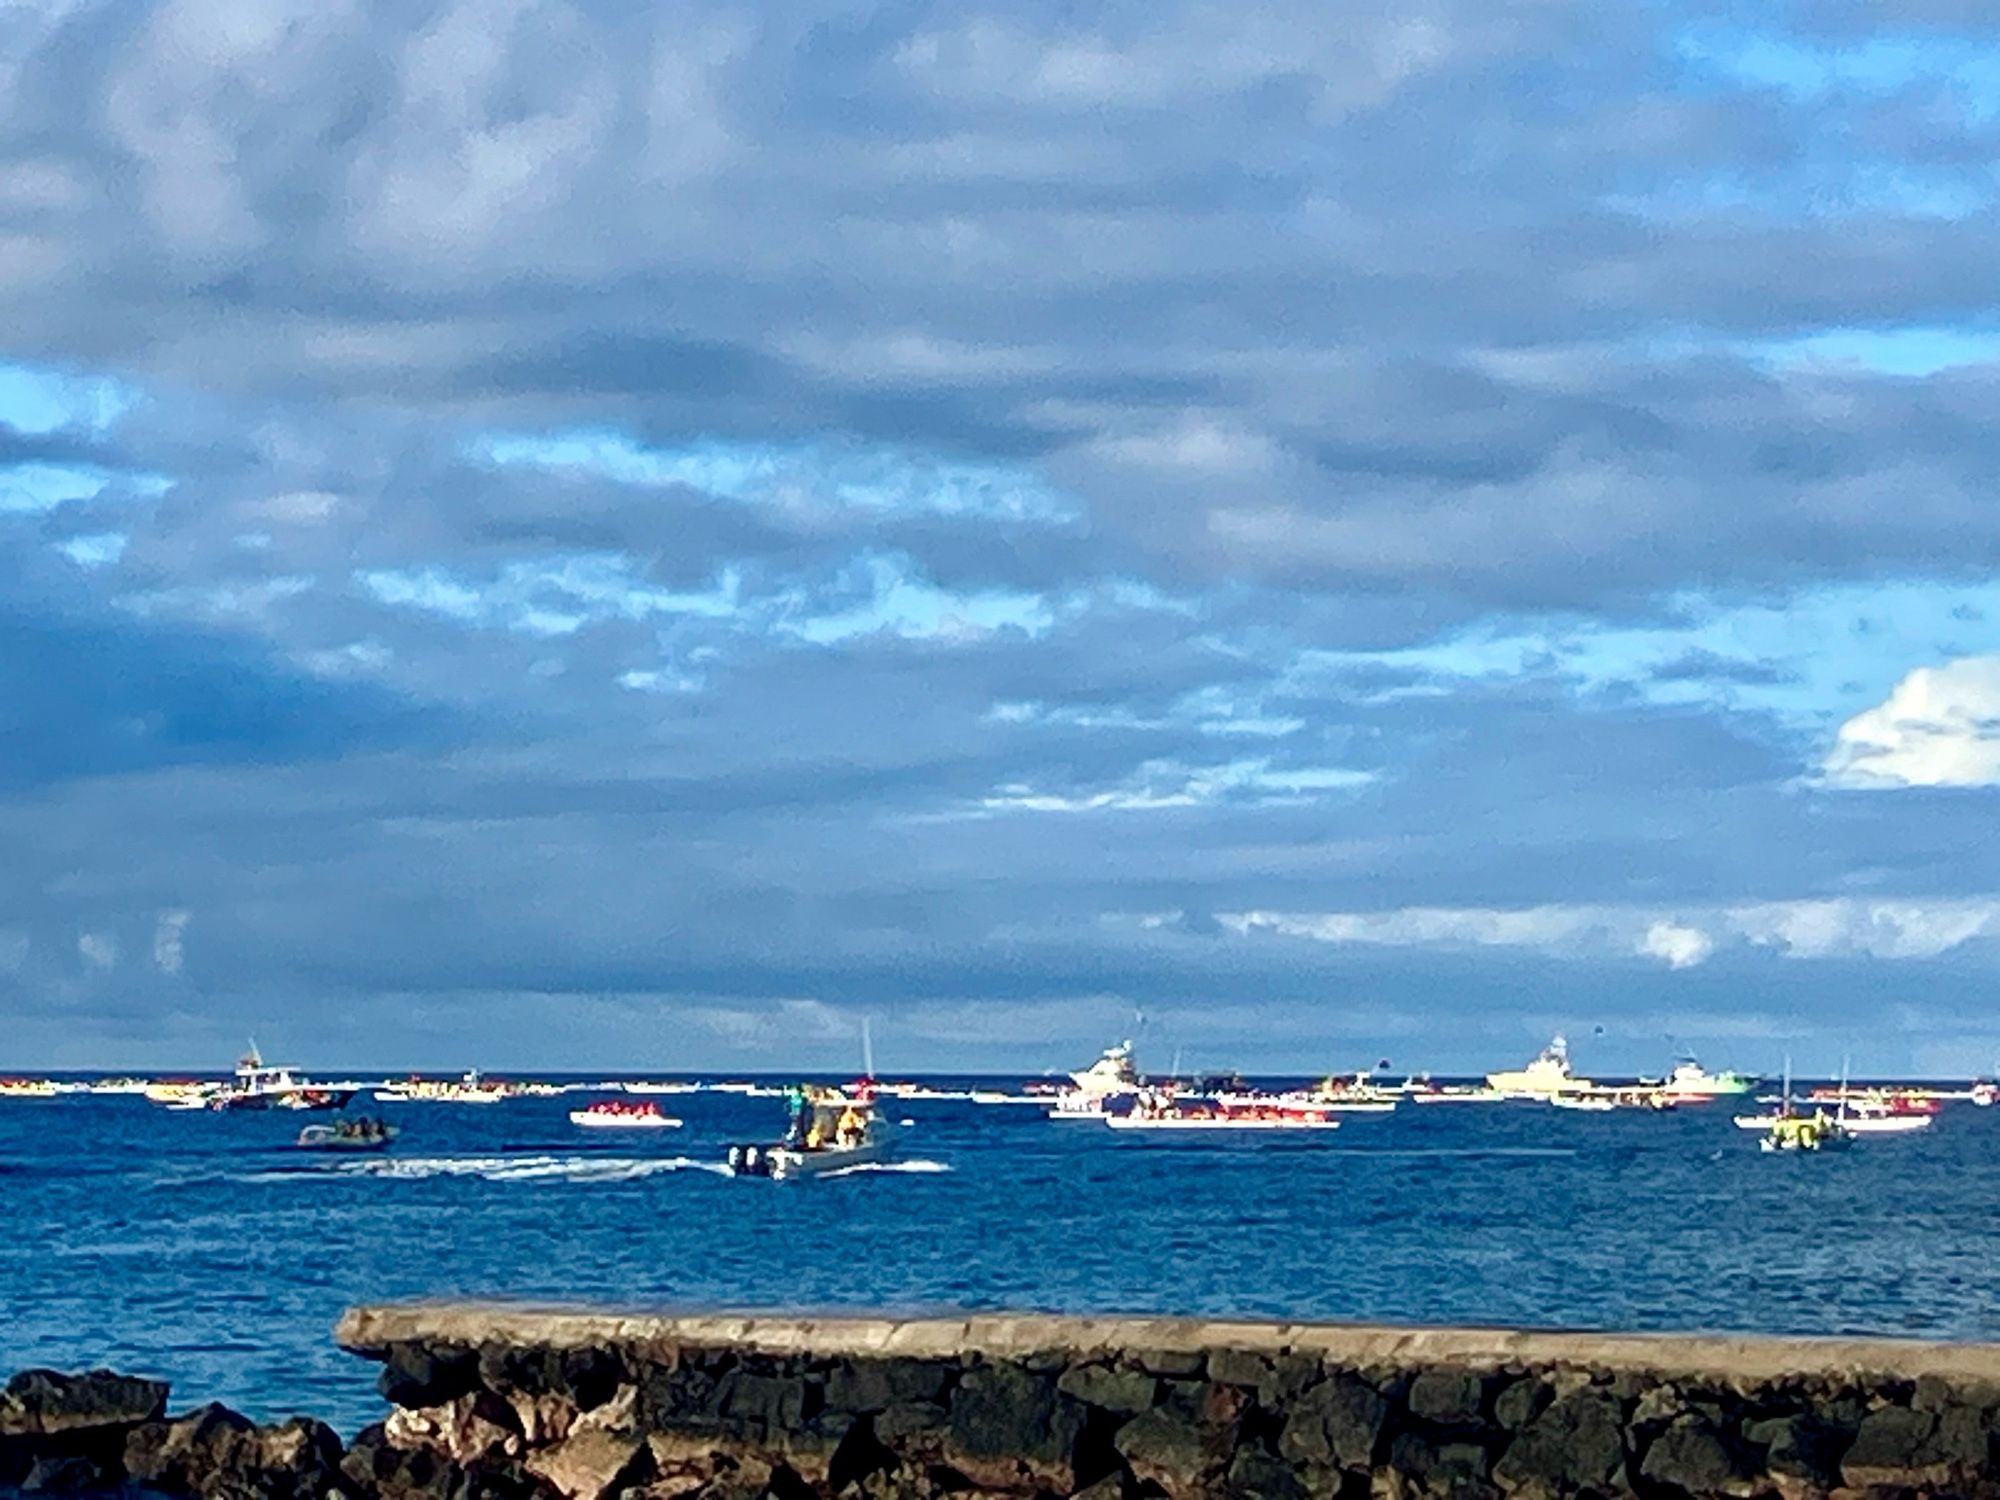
(200, 1248)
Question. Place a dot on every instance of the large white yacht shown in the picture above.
(1544, 1078)
(1113, 1076)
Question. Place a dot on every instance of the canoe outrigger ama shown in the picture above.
(828, 1131)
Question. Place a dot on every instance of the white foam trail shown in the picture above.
(888, 1166)
(579, 1169)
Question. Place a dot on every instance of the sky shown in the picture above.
(632, 537)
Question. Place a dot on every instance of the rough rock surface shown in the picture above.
(509, 1405)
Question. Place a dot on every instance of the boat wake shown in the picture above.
(565, 1168)
(887, 1166)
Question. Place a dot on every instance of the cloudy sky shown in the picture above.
(633, 536)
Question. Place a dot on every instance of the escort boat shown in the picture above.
(829, 1132)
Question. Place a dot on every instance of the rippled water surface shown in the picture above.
(199, 1247)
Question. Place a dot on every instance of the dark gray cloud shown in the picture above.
(1021, 490)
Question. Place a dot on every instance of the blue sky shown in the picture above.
(602, 539)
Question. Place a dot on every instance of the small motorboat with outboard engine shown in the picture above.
(358, 1134)
(829, 1131)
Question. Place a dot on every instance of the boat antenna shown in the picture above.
(1785, 1107)
(1846, 1062)
(867, 1048)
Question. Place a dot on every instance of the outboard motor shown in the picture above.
(749, 1161)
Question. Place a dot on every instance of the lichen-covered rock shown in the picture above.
(593, 1463)
(764, 1404)
(1420, 1468)
(1798, 1446)
(376, 1468)
(1692, 1458)
(1236, 1367)
(466, 1429)
(1002, 1410)
(876, 1384)
(220, 1455)
(1898, 1447)
(1577, 1443)
(1254, 1471)
(42, 1402)
(1170, 1364)
(1520, 1402)
(1447, 1397)
(428, 1375)
(1338, 1422)
(910, 1419)
(1112, 1388)
(1163, 1448)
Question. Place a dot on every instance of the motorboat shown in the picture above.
(1114, 1076)
(348, 1135)
(1818, 1131)
(1790, 1131)
(180, 1093)
(1114, 1072)
(1545, 1077)
(829, 1132)
(1360, 1094)
(1690, 1082)
(623, 1114)
(260, 1085)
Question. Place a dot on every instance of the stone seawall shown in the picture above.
(513, 1403)
(1114, 1409)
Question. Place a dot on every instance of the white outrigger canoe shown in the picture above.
(1190, 1122)
(1855, 1124)
(623, 1119)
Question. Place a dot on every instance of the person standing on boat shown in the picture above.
(848, 1132)
(798, 1107)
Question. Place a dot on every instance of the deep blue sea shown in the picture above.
(199, 1247)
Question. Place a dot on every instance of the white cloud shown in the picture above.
(168, 933)
(98, 949)
(1169, 784)
(781, 1026)
(1939, 727)
(1428, 926)
(1680, 945)
(1868, 929)
(1837, 928)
